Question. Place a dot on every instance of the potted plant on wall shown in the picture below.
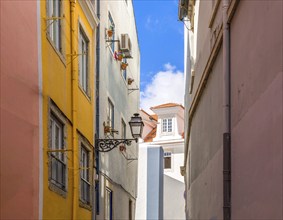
(130, 81)
(110, 31)
(124, 65)
(118, 55)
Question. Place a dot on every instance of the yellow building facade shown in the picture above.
(68, 39)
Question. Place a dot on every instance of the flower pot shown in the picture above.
(130, 81)
(109, 33)
(124, 65)
(120, 57)
(122, 148)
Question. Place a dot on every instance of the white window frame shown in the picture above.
(85, 190)
(54, 27)
(167, 125)
(110, 113)
(111, 23)
(57, 157)
(83, 61)
(108, 204)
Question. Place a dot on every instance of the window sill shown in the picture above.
(168, 169)
(62, 58)
(84, 205)
(53, 187)
(167, 133)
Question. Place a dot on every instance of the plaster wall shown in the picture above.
(19, 114)
(200, 41)
(174, 205)
(177, 160)
(74, 105)
(126, 102)
(142, 182)
(205, 171)
(256, 75)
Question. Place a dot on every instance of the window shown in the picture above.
(130, 210)
(123, 129)
(108, 204)
(54, 22)
(167, 160)
(111, 26)
(124, 72)
(167, 125)
(57, 157)
(85, 177)
(110, 114)
(83, 60)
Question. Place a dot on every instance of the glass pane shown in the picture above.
(167, 162)
(53, 169)
(164, 125)
(60, 173)
(170, 125)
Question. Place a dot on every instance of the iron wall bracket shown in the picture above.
(106, 145)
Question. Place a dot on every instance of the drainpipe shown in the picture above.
(226, 115)
(97, 164)
(74, 110)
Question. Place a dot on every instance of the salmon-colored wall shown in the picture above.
(19, 111)
(256, 100)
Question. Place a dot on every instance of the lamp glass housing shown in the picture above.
(136, 125)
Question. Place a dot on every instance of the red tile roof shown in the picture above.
(167, 105)
(154, 117)
(151, 135)
(151, 117)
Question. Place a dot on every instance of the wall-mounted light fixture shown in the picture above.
(136, 125)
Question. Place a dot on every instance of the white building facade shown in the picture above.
(163, 130)
(117, 83)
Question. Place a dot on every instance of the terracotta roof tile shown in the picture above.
(167, 105)
(154, 117)
(151, 117)
(150, 136)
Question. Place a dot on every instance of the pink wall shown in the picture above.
(256, 76)
(19, 111)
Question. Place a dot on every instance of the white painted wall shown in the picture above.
(174, 202)
(114, 166)
(177, 159)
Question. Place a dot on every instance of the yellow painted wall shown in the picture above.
(57, 85)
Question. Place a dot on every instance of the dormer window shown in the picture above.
(167, 125)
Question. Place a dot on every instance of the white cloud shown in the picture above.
(166, 86)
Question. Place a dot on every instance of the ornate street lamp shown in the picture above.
(136, 125)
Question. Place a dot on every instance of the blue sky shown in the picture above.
(161, 42)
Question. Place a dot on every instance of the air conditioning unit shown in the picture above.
(126, 46)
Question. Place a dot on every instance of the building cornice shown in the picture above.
(163, 142)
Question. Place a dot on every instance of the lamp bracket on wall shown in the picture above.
(106, 145)
(132, 90)
(111, 42)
